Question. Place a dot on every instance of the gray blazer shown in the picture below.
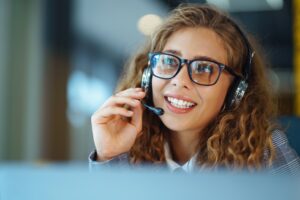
(286, 162)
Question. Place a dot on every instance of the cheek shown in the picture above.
(157, 86)
(214, 96)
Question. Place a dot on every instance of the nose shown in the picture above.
(182, 79)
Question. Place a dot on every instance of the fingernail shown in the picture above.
(129, 112)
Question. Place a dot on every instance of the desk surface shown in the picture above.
(74, 181)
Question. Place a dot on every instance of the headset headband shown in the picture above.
(250, 53)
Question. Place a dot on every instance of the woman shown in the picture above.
(200, 70)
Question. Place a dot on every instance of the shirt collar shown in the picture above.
(189, 166)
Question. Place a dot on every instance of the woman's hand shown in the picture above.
(116, 128)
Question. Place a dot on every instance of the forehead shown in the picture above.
(195, 42)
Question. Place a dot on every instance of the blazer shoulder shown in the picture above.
(286, 159)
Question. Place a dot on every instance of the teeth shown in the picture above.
(180, 103)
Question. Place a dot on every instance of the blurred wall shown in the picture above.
(21, 60)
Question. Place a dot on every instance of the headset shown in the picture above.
(236, 91)
(239, 86)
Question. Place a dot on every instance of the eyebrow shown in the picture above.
(177, 53)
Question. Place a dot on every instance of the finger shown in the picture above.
(136, 93)
(107, 114)
(119, 100)
(137, 117)
(125, 98)
(129, 90)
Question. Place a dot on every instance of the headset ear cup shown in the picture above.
(236, 93)
(240, 91)
(146, 85)
(146, 79)
(229, 101)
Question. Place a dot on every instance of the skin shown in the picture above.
(113, 135)
(186, 127)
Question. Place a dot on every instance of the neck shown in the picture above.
(183, 145)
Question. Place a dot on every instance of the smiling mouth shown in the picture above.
(179, 103)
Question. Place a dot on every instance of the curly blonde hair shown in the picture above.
(240, 137)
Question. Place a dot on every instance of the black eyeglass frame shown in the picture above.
(188, 63)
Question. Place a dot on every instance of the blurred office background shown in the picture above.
(60, 59)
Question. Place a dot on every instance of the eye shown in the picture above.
(168, 60)
(208, 69)
(203, 67)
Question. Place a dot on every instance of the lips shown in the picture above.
(179, 104)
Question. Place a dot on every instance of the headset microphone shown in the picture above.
(146, 84)
(157, 111)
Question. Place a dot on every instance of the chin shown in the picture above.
(176, 126)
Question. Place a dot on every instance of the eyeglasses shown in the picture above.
(201, 71)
